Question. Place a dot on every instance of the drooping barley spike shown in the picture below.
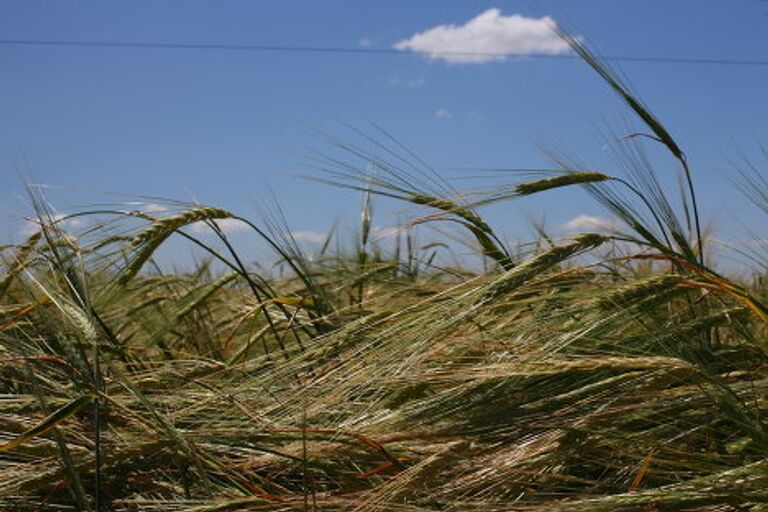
(529, 269)
(477, 226)
(572, 178)
(108, 241)
(489, 247)
(689, 330)
(450, 207)
(151, 238)
(164, 227)
(638, 291)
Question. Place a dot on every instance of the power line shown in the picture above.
(367, 51)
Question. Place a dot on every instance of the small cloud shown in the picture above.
(416, 82)
(443, 113)
(589, 222)
(364, 42)
(154, 207)
(228, 226)
(490, 36)
(476, 115)
(309, 236)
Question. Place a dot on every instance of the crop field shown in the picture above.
(614, 370)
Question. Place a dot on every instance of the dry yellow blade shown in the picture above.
(299, 302)
(644, 467)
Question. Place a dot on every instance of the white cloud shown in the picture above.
(476, 115)
(488, 36)
(308, 236)
(443, 113)
(589, 222)
(365, 42)
(228, 226)
(154, 207)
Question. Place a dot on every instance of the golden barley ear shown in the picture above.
(20, 261)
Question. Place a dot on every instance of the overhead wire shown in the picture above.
(712, 61)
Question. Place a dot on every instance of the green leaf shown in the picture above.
(49, 423)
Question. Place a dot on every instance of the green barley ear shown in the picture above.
(638, 291)
(685, 331)
(573, 178)
(482, 232)
(529, 269)
(79, 319)
(164, 227)
(151, 238)
(660, 133)
(109, 241)
(450, 207)
(615, 83)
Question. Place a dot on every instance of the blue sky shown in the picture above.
(223, 127)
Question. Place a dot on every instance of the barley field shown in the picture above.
(614, 370)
